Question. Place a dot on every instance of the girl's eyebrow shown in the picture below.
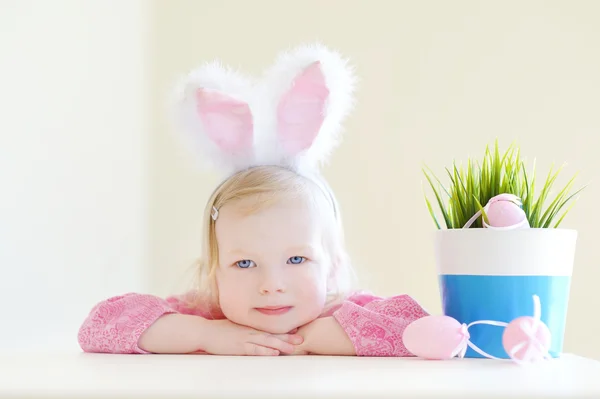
(302, 248)
(240, 252)
(292, 249)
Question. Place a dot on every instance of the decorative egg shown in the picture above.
(504, 210)
(520, 345)
(434, 337)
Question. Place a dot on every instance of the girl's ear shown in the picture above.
(213, 110)
(312, 88)
(332, 276)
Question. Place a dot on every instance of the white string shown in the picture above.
(529, 330)
(461, 349)
(473, 219)
(502, 197)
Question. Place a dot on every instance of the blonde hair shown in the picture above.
(270, 184)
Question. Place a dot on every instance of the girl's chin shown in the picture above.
(282, 329)
(274, 324)
(277, 328)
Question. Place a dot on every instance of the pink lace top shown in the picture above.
(373, 324)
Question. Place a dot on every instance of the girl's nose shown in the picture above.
(271, 283)
(269, 290)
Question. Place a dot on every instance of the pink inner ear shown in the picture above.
(227, 121)
(301, 111)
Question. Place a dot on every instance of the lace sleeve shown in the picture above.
(116, 324)
(375, 325)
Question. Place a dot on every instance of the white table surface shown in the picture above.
(79, 375)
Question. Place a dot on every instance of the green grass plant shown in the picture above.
(471, 187)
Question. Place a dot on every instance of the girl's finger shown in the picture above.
(271, 341)
(253, 349)
(291, 338)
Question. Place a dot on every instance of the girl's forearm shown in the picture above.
(325, 336)
(176, 333)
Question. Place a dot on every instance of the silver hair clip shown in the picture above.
(215, 213)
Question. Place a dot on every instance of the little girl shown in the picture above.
(274, 275)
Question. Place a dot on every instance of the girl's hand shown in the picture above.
(306, 332)
(324, 336)
(300, 351)
(223, 337)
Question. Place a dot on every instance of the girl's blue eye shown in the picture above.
(296, 260)
(244, 264)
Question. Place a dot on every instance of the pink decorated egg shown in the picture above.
(520, 345)
(434, 337)
(504, 213)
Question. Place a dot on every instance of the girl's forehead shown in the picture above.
(268, 207)
(283, 223)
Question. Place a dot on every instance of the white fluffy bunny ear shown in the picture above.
(310, 91)
(212, 109)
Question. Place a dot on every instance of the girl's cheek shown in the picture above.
(311, 278)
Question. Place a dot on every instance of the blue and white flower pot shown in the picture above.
(487, 274)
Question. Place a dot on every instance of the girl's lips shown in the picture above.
(272, 311)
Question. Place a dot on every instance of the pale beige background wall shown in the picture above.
(73, 164)
(440, 80)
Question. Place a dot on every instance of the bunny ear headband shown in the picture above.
(291, 117)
